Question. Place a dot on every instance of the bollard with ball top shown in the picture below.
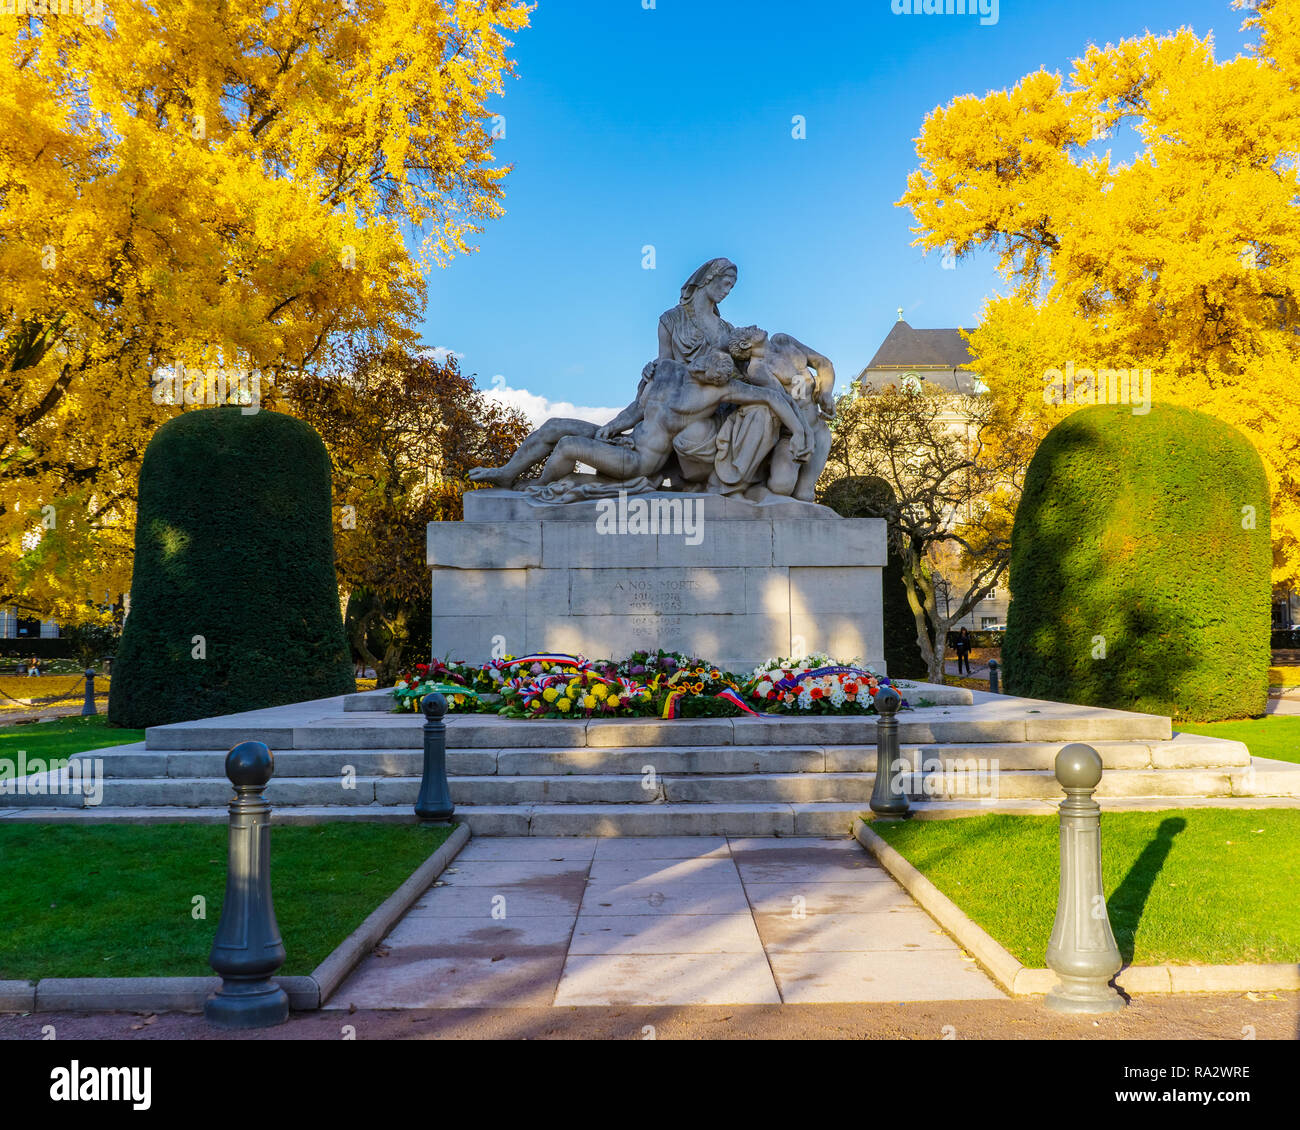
(994, 688)
(88, 704)
(1082, 949)
(886, 800)
(247, 948)
(434, 802)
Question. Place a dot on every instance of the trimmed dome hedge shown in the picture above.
(1139, 580)
(234, 543)
(868, 496)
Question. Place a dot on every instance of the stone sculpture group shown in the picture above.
(721, 410)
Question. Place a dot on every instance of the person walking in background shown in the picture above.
(962, 647)
(33, 667)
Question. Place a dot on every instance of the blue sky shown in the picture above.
(671, 126)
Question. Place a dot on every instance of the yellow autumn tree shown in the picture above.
(229, 188)
(1181, 258)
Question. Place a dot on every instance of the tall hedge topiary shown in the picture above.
(1140, 567)
(868, 496)
(234, 602)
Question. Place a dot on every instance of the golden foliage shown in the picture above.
(1183, 260)
(213, 185)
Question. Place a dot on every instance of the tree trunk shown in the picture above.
(921, 597)
(387, 671)
(360, 629)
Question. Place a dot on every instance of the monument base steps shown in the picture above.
(638, 777)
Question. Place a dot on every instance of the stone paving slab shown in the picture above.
(668, 979)
(665, 898)
(515, 936)
(825, 898)
(503, 873)
(741, 845)
(713, 869)
(451, 982)
(888, 975)
(901, 928)
(518, 900)
(661, 847)
(665, 934)
(519, 848)
(815, 873)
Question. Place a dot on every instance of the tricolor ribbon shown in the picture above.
(735, 700)
(554, 660)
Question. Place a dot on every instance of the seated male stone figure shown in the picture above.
(754, 454)
(788, 362)
(674, 410)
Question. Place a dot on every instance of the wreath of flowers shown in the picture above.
(675, 686)
(815, 684)
(576, 694)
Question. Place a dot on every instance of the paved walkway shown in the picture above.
(662, 921)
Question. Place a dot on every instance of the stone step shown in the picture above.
(612, 820)
(958, 781)
(381, 701)
(1184, 751)
(999, 720)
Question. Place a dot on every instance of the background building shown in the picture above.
(935, 361)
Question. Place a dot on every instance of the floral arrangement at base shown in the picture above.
(575, 694)
(815, 684)
(671, 685)
(697, 689)
(456, 682)
(645, 665)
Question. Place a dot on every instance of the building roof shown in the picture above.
(906, 348)
(936, 356)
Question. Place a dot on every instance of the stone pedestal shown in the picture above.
(722, 578)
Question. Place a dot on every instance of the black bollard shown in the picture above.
(433, 805)
(247, 948)
(885, 799)
(994, 685)
(88, 706)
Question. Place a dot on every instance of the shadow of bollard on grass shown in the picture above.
(1130, 898)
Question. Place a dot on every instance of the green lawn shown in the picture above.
(1275, 735)
(63, 737)
(1182, 886)
(118, 900)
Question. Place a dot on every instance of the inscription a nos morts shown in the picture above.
(649, 592)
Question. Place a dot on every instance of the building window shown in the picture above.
(987, 622)
(8, 624)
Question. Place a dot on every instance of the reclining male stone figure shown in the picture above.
(674, 407)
